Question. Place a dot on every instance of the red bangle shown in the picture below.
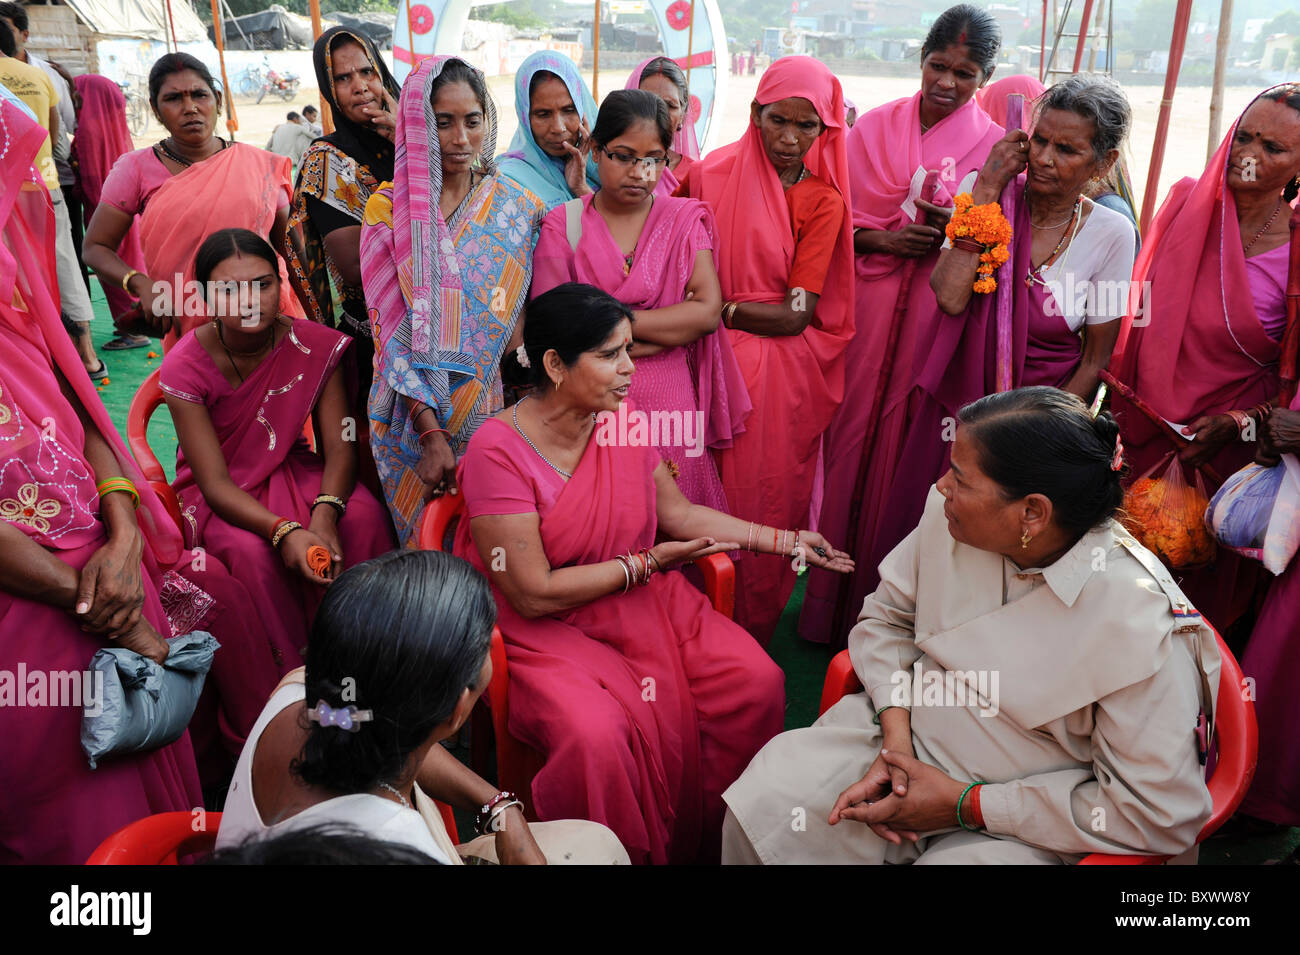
(968, 245)
(276, 526)
(423, 434)
(975, 811)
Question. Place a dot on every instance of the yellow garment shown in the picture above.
(33, 87)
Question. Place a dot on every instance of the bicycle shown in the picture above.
(137, 106)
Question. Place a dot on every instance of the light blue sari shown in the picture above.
(526, 162)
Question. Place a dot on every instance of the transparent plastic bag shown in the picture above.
(1257, 513)
(1167, 515)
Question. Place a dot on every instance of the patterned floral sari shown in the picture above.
(444, 295)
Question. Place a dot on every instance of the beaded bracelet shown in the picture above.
(335, 502)
(282, 531)
(490, 824)
(484, 814)
(960, 800)
(119, 484)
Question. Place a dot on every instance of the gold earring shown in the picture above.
(1025, 538)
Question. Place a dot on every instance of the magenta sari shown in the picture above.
(53, 808)
(260, 428)
(701, 379)
(650, 760)
(885, 148)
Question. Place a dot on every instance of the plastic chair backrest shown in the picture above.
(145, 402)
(158, 839)
(1236, 736)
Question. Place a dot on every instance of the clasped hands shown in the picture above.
(900, 798)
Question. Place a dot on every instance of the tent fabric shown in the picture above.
(141, 19)
(272, 29)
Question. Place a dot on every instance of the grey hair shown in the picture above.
(1096, 98)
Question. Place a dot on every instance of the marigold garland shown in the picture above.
(986, 225)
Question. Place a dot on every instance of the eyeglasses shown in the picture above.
(647, 163)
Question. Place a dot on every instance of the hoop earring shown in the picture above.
(1025, 538)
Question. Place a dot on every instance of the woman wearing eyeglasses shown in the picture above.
(654, 253)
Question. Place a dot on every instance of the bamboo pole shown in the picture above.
(326, 117)
(690, 55)
(172, 45)
(595, 56)
(1092, 47)
(1176, 44)
(219, 30)
(1042, 47)
(1082, 39)
(1220, 67)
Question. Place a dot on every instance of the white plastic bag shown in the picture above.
(1257, 513)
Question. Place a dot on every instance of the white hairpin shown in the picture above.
(522, 354)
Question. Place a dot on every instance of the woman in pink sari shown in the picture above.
(785, 251)
(183, 189)
(686, 369)
(1203, 352)
(939, 130)
(253, 494)
(644, 701)
(79, 569)
(993, 97)
(102, 138)
(662, 76)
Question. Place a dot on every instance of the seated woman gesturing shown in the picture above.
(685, 366)
(1060, 670)
(644, 701)
(240, 391)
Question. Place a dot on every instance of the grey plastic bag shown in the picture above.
(145, 705)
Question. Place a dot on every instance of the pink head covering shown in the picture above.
(28, 299)
(102, 134)
(684, 141)
(742, 185)
(993, 98)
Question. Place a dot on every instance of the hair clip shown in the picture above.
(344, 717)
(1117, 460)
(521, 353)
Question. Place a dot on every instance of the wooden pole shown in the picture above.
(1220, 67)
(219, 30)
(326, 117)
(1082, 39)
(1092, 47)
(173, 46)
(690, 55)
(595, 56)
(1176, 44)
(1042, 47)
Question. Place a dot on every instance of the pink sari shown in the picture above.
(102, 138)
(646, 705)
(1201, 351)
(685, 143)
(239, 187)
(53, 808)
(993, 98)
(796, 381)
(885, 149)
(260, 425)
(701, 379)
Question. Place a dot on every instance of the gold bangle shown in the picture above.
(335, 502)
(283, 531)
(126, 280)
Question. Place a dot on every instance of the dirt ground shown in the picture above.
(1185, 152)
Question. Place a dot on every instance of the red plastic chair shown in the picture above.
(1236, 737)
(159, 839)
(518, 763)
(143, 405)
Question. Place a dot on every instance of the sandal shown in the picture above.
(100, 373)
(123, 342)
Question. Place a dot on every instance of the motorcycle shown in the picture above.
(284, 85)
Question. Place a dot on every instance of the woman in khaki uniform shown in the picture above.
(1034, 678)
